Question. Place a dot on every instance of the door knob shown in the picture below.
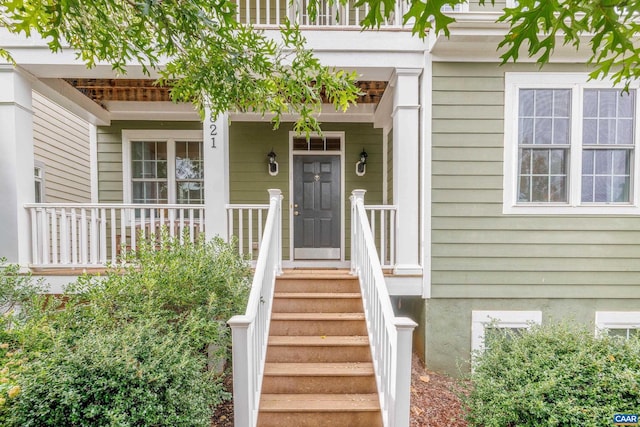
(295, 205)
(296, 213)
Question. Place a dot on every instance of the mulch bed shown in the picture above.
(434, 401)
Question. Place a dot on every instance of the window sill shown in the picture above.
(556, 209)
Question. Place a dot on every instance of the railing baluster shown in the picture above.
(64, 237)
(93, 236)
(84, 256)
(240, 232)
(103, 236)
(35, 244)
(54, 236)
(113, 235)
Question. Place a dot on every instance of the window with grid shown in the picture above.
(607, 145)
(569, 144)
(189, 172)
(163, 167)
(149, 176)
(544, 143)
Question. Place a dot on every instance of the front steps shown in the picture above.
(318, 370)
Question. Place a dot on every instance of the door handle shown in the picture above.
(296, 213)
(295, 205)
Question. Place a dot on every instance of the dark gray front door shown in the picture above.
(316, 207)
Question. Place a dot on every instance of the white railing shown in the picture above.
(390, 336)
(251, 330)
(277, 12)
(70, 235)
(246, 222)
(382, 220)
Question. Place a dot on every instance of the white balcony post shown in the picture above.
(276, 193)
(404, 330)
(216, 175)
(357, 196)
(16, 165)
(406, 169)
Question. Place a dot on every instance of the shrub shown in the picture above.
(134, 376)
(192, 287)
(554, 375)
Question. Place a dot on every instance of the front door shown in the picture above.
(316, 206)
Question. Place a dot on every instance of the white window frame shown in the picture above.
(171, 136)
(577, 82)
(480, 319)
(617, 320)
(39, 178)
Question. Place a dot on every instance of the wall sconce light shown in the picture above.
(361, 166)
(273, 165)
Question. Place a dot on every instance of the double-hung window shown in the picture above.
(570, 145)
(163, 167)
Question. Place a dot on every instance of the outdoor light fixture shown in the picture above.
(273, 165)
(361, 166)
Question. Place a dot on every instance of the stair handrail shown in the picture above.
(389, 336)
(250, 331)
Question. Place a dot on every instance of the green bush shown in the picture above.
(554, 375)
(125, 349)
(133, 376)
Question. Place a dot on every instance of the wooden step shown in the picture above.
(320, 302)
(345, 377)
(318, 324)
(320, 410)
(342, 283)
(317, 349)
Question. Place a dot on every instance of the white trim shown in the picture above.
(129, 135)
(576, 82)
(385, 165)
(93, 162)
(341, 135)
(502, 319)
(617, 320)
(426, 145)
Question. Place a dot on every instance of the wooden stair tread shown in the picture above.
(335, 295)
(319, 402)
(319, 341)
(317, 316)
(335, 369)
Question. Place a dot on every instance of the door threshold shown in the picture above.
(316, 264)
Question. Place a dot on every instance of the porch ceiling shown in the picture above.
(104, 91)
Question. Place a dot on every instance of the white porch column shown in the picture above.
(16, 165)
(216, 174)
(406, 169)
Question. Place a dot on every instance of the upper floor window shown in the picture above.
(569, 144)
(163, 167)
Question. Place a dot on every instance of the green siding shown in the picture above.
(249, 144)
(479, 252)
(110, 153)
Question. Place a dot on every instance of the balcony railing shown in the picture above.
(72, 235)
(272, 13)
